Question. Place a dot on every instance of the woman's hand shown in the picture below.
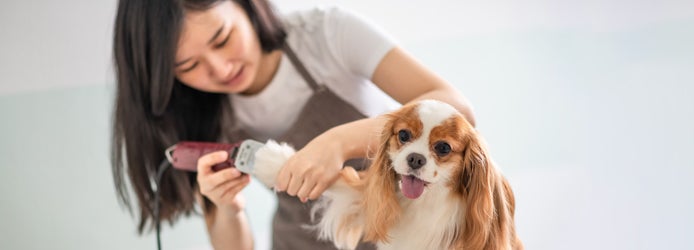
(221, 187)
(312, 169)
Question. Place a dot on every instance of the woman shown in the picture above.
(210, 70)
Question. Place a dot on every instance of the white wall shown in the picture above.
(586, 105)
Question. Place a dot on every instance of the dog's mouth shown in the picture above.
(411, 186)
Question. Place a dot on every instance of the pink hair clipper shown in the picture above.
(184, 155)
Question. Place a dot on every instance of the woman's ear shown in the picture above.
(380, 202)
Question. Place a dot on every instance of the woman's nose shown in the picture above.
(220, 68)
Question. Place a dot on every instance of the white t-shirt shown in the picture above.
(340, 50)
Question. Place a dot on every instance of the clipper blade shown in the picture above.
(244, 160)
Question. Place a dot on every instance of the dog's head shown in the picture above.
(429, 146)
(425, 145)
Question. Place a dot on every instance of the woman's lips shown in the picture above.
(236, 78)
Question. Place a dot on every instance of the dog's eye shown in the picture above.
(442, 148)
(404, 135)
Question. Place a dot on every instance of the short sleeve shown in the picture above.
(356, 43)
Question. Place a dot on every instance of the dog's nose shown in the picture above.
(416, 161)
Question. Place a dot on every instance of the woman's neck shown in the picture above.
(267, 68)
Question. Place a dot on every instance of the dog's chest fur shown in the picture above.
(429, 222)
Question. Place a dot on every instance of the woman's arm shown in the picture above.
(225, 218)
(406, 80)
(315, 167)
(228, 229)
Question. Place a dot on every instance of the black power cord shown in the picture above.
(160, 171)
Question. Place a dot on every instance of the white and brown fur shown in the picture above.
(466, 203)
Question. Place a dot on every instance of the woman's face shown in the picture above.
(218, 50)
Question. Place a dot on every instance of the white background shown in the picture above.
(586, 105)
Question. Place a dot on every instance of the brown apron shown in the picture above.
(324, 110)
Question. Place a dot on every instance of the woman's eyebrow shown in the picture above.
(181, 62)
(216, 34)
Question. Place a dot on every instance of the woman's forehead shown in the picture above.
(197, 23)
(201, 26)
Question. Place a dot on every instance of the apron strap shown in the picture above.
(300, 67)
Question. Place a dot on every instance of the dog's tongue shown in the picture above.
(412, 187)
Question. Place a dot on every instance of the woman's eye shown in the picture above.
(404, 136)
(189, 68)
(442, 148)
(220, 45)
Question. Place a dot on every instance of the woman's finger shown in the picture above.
(306, 189)
(223, 176)
(295, 183)
(283, 178)
(213, 181)
(236, 188)
(317, 191)
(206, 162)
(222, 188)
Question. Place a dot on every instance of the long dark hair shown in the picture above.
(153, 110)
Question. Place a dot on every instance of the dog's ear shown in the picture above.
(475, 167)
(488, 213)
(475, 185)
(380, 202)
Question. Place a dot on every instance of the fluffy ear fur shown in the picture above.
(380, 203)
(489, 201)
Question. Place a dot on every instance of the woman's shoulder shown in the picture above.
(337, 40)
(302, 16)
(313, 32)
(322, 19)
(334, 30)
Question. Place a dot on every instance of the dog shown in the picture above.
(431, 185)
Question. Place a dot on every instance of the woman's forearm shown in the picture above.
(450, 95)
(229, 230)
(359, 138)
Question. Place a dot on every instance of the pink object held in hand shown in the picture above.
(184, 155)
